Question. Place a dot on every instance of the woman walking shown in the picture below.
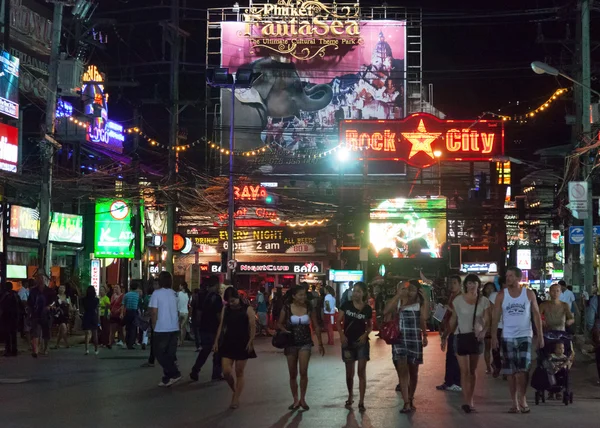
(104, 317)
(91, 318)
(62, 315)
(472, 314)
(354, 336)
(412, 309)
(116, 317)
(296, 318)
(487, 291)
(183, 303)
(235, 342)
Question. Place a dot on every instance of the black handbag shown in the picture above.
(467, 343)
(282, 340)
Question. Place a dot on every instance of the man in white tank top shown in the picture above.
(517, 306)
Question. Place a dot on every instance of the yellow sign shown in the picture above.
(302, 29)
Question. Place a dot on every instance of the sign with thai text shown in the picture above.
(259, 240)
(301, 29)
(275, 267)
(9, 147)
(422, 139)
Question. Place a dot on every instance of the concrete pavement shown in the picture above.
(68, 389)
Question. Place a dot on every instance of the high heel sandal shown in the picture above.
(349, 403)
(361, 407)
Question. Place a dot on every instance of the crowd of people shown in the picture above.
(506, 325)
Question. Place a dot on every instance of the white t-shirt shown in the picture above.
(464, 313)
(493, 300)
(183, 301)
(568, 297)
(331, 300)
(165, 300)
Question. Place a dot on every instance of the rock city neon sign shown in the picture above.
(422, 139)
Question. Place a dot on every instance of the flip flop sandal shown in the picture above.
(349, 403)
(406, 410)
(361, 407)
(514, 410)
(412, 406)
(466, 408)
(294, 407)
(525, 410)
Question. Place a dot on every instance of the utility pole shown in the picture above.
(586, 127)
(48, 145)
(174, 131)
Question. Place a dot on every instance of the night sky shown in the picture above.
(477, 56)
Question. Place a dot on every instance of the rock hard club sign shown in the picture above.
(302, 29)
(422, 139)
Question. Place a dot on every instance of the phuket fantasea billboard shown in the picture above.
(317, 65)
(409, 228)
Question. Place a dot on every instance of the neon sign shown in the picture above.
(249, 192)
(301, 29)
(9, 148)
(107, 133)
(422, 139)
(64, 109)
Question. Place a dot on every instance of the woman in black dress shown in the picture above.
(91, 318)
(235, 341)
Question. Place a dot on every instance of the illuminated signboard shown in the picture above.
(345, 275)
(106, 133)
(249, 192)
(113, 235)
(301, 29)
(421, 137)
(9, 147)
(322, 64)
(9, 85)
(409, 228)
(64, 108)
(25, 224)
(95, 274)
(275, 267)
(524, 259)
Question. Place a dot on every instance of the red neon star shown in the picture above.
(421, 140)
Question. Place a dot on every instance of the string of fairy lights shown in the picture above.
(522, 118)
(215, 146)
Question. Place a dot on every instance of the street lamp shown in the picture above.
(221, 78)
(585, 101)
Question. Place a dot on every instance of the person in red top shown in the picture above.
(452, 373)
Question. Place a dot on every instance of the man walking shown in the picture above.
(209, 324)
(261, 309)
(165, 325)
(517, 306)
(452, 374)
(131, 303)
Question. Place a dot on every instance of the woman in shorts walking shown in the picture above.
(354, 336)
(296, 318)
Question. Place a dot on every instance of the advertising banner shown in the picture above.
(273, 240)
(9, 85)
(113, 235)
(9, 147)
(409, 228)
(317, 64)
(65, 228)
(422, 139)
(276, 267)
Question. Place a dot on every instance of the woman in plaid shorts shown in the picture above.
(412, 308)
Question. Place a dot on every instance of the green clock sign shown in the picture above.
(113, 235)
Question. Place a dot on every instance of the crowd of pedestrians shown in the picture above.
(506, 325)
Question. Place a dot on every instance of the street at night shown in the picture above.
(70, 389)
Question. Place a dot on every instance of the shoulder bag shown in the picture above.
(467, 343)
(390, 330)
(283, 339)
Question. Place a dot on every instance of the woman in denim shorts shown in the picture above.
(296, 317)
(354, 336)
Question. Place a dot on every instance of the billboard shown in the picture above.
(422, 139)
(317, 65)
(275, 267)
(113, 235)
(409, 228)
(9, 85)
(65, 228)
(258, 240)
(9, 147)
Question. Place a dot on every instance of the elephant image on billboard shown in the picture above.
(294, 106)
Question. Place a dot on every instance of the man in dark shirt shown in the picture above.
(209, 324)
(41, 300)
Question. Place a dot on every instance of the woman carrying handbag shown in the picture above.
(473, 316)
